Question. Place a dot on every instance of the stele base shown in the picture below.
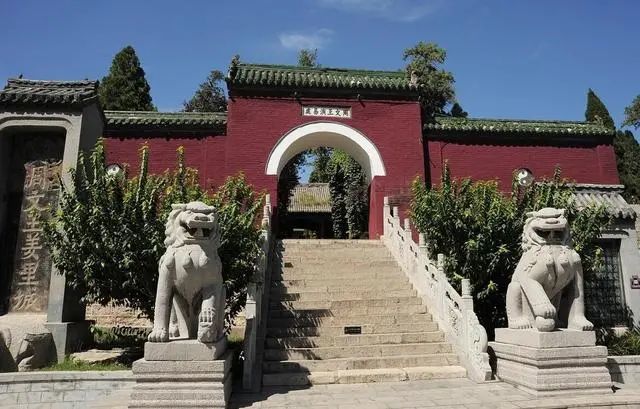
(182, 373)
(562, 362)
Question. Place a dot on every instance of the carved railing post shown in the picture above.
(385, 215)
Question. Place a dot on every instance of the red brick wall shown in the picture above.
(256, 124)
(205, 153)
(496, 159)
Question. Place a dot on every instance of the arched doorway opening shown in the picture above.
(338, 206)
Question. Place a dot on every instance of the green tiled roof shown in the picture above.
(20, 91)
(447, 123)
(165, 120)
(289, 76)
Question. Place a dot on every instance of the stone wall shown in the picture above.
(61, 390)
(625, 368)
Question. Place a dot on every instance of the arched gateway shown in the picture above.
(330, 134)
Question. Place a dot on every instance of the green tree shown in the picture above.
(632, 113)
(434, 84)
(628, 160)
(596, 111)
(209, 97)
(479, 230)
(355, 199)
(308, 58)
(109, 234)
(321, 165)
(125, 88)
(457, 111)
(338, 206)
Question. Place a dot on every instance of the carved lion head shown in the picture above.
(192, 223)
(544, 227)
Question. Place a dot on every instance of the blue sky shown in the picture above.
(511, 59)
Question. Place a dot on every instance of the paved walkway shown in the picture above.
(442, 394)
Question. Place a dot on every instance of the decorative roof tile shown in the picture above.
(289, 76)
(118, 120)
(310, 198)
(607, 195)
(448, 123)
(20, 91)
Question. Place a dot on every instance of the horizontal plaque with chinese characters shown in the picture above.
(32, 268)
(332, 112)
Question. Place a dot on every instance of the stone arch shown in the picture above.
(331, 134)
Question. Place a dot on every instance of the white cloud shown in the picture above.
(396, 10)
(298, 40)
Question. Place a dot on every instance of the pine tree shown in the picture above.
(596, 111)
(321, 172)
(355, 199)
(338, 208)
(308, 58)
(209, 97)
(457, 111)
(628, 159)
(125, 88)
(632, 113)
(435, 85)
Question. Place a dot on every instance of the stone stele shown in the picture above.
(193, 368)
(549, 348)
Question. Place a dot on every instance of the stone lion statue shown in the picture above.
(190, 297)
(546, 289)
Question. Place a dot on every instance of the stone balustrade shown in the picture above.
(453, 312)
(255, 306)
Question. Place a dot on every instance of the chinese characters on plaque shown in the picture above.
(333, 112)
(32, 266)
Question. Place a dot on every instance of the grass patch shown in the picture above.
(70, 364)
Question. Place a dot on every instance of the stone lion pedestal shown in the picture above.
(182, 373)
(186, 362)
(562, 362)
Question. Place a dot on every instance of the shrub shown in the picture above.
(624, 344)
(478, 228)
(108, 233)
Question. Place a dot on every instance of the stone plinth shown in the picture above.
(562, 362)
(182, 373)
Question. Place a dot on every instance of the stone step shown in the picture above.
(340, 364)
(339, 330)
(356, 351)
(175, 404)
(355, 320)
(301, 274)
(350, 311)
(328, 243)
(342, 304)
(339, 295)
(302, 286)
(334, 258)
(344, 283)
(347, 266)
(354, 340)
(364, 376)
(185, 385)
(177, 395)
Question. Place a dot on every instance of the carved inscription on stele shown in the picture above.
(32, 266)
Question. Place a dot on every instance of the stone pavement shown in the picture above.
(442, 394)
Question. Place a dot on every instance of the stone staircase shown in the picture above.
(342, 311)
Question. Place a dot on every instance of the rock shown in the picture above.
(7, 363)
(36, 351)
(100, 356)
